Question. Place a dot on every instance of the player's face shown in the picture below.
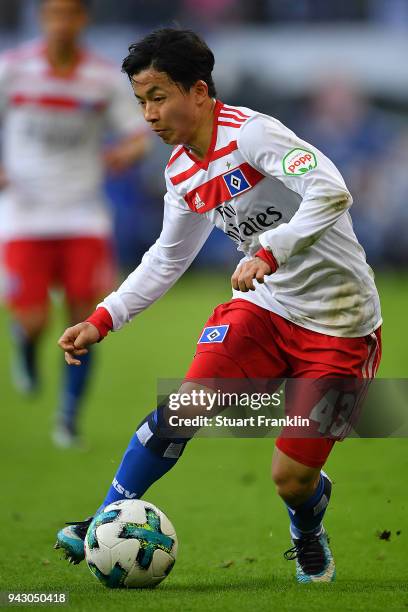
(63, 20)
(171, 112)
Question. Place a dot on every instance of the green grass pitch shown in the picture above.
(232, 528)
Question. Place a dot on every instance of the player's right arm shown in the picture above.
(182, 236)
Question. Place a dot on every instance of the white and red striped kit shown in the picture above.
(52, 135)
(262, 186)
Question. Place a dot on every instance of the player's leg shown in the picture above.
(28, 269)
(152, 451)
(74, 385)
(27, 326)
(305, 489)
(86, 273)
(149, 455)
(297, 462)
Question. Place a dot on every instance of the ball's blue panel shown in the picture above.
(150, 537)
(114, 579)
(99, 519)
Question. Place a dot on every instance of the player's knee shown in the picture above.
(194, 399)
(293, 487)
(33, 322)
(155, 433)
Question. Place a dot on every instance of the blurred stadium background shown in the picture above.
(333, 72)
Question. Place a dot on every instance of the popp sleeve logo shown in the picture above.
(298, 162)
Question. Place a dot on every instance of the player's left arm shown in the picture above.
(277, 152)
(134, 140)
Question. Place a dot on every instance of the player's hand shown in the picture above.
(75, 339)
(244, 275)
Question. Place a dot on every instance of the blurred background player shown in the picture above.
(59, 101)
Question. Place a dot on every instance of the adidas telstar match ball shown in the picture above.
(132, 544)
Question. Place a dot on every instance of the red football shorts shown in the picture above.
(83, 267)
(260, 344)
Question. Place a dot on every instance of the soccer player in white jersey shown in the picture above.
(304, 302)
(58, 100)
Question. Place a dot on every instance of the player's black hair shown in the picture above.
(181, 54)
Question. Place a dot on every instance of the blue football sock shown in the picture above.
(26, 352)
(147, 458)
(307, 518)
(74, 388)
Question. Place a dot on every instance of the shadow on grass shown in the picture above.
(221, 585)
(283, 585)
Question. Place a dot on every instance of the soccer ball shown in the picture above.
(132, 544)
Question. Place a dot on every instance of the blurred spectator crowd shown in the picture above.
(370, 147)
(210, 13)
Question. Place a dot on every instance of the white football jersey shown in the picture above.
(262, 186)
(52, 132)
